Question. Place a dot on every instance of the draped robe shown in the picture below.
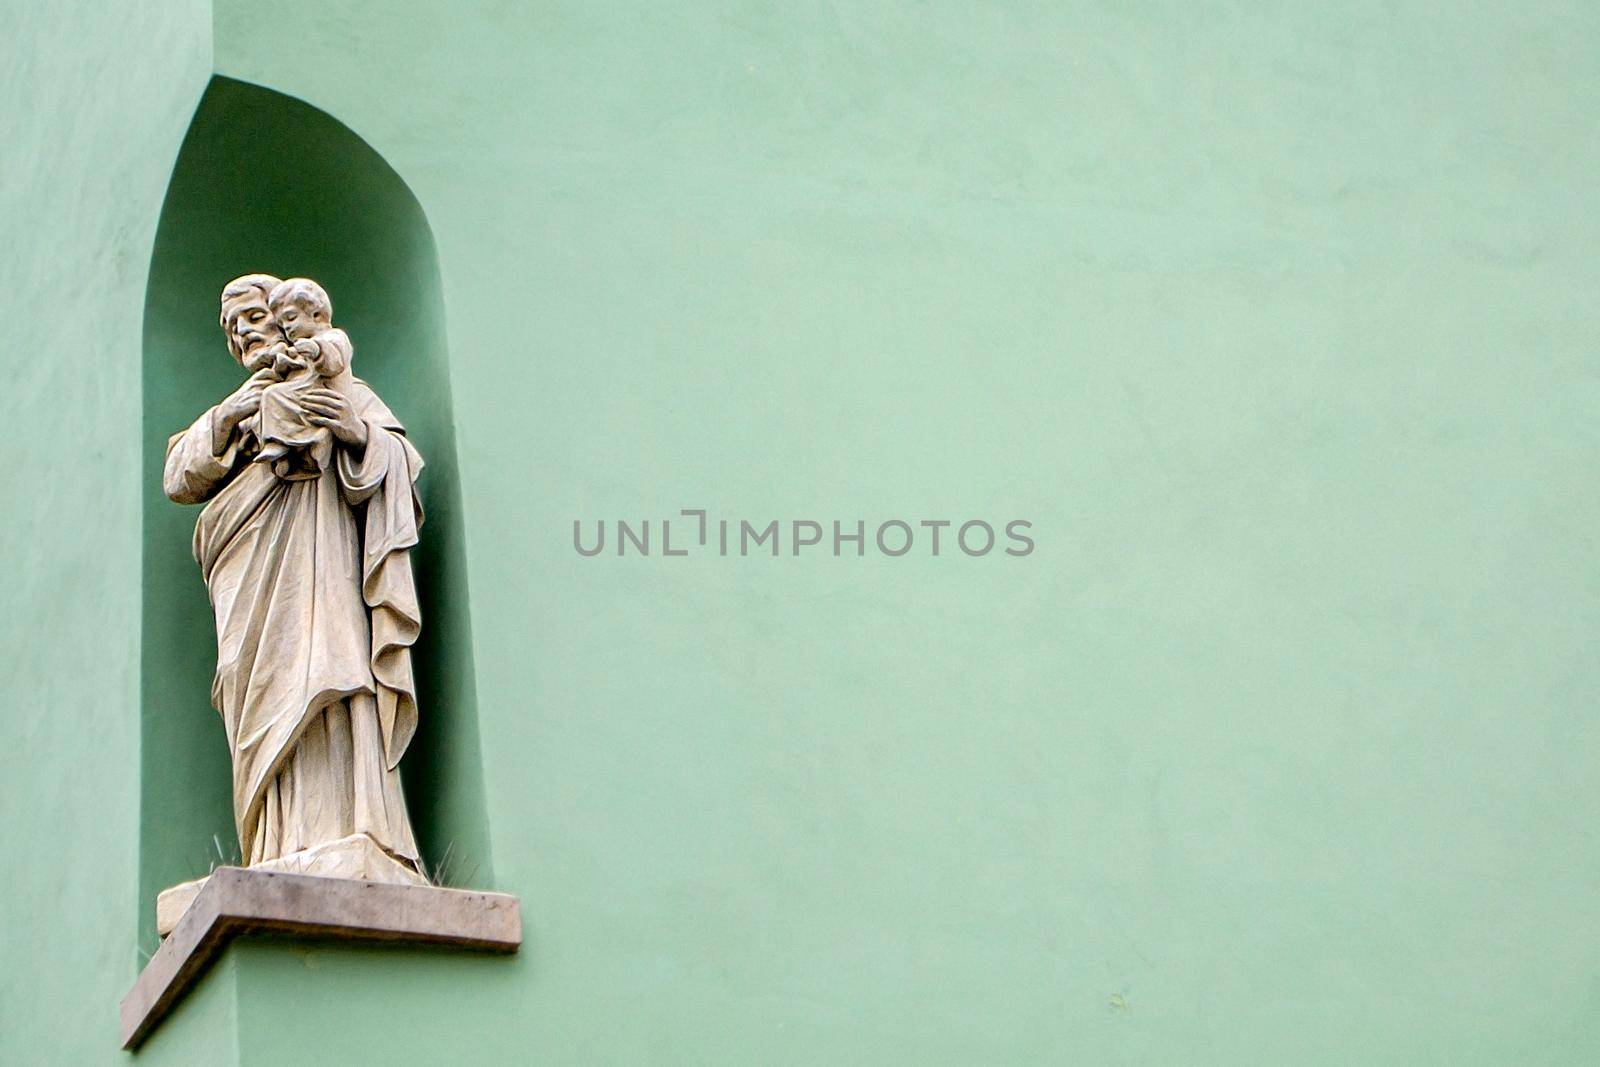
(316, 611)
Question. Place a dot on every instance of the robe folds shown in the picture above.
(316, 611)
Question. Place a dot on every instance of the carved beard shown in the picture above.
(267, 354)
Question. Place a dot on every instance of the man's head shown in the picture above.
(247, 320)
(301, 307)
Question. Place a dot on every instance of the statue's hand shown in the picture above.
(326, 407)
(240, 405)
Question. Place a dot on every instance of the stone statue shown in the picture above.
(311, 510)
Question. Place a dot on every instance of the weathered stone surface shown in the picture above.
(356, 856)
(172, 902)
(235, 901)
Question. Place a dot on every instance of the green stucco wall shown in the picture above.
(96, 99)
(1278, 325)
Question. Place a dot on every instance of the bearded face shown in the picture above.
(252, 331)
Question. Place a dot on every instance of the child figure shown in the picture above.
(316, 355)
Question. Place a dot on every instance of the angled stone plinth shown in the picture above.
(357, 856)
(237, 901)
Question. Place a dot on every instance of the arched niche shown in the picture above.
(265, 182)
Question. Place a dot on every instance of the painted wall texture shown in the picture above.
(96, 99)
(1278, 325)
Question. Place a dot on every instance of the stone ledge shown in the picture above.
(357, 856)
(239, 901)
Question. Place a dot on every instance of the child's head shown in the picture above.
(301, 307)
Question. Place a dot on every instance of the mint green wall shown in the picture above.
(96, 97)
(1277, 324)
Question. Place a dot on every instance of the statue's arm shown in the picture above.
(195, 470)
(387, 457)
(200, 458)
(383, 474)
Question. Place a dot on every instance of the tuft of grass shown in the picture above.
(229, 858)
(220, 855)
(451, 870)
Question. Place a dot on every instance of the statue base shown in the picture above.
(235, 901)
(357, 856)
